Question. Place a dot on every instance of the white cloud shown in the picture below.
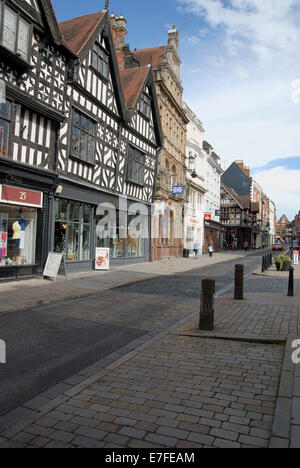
(268, 27)
(282, 186)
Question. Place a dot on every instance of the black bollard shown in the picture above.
(263, 265)
(291, 282)
(207, 308)
(239, 283)
(266, 262)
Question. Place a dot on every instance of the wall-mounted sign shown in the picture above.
(20, 196)
(218, 212)
(102, 259)
(207, 217)
(177, 189)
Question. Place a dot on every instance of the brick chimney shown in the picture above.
(247, 171)
(119, 31)
(240, 164)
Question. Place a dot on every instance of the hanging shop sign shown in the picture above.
(207, 217)
(102, 258)
(20, 196)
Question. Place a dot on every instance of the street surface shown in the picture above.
(129, 367)
(51, 344)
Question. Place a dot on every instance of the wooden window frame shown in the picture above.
(81, 129)
(100, 59)
(8, 120)
(134, 165)
(20, 17)
(145, 103)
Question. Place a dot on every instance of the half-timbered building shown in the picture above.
(107, 150)
(238, 215)
(33, 70)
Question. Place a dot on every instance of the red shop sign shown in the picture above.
(20, 196)
(207, 217)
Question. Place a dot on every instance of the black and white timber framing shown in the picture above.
(44, 91)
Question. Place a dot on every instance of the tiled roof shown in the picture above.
(76, 32)
(153, 56)
(133, 81)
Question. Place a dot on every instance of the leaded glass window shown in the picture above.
(136, 166)
(83, 138)
(145, 105)
(100, 60)
(5, 111)
(15, 31)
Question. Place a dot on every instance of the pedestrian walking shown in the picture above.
(211, 249)
(196, 249)
(225, 245)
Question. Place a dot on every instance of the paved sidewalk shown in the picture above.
(234, 387)
(38, 292)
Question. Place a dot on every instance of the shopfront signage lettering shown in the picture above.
(16, 196)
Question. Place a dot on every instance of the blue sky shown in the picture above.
(240, 73)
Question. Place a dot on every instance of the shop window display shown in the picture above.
(17, 235)
(73, 230)
(129, 245)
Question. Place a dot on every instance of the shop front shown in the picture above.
(212, 234)
(24, 226)
(86, 219)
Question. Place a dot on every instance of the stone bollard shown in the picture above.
(207, 308)
(291, 282)
(239, 283)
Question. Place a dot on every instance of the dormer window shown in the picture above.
(100, 60)
(145, 105)
(15, 32)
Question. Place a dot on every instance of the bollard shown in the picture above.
(263, 267)
(291, 282)
(266, 262)
(239, 283)
(207, 308)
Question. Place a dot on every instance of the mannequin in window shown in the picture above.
(22, 224)
(16, 239)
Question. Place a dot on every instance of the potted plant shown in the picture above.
(282, 263)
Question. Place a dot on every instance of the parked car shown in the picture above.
(277, 246)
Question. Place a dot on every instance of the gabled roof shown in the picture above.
(133, 82)
(77, 32)
(233, 195)
(153, 56)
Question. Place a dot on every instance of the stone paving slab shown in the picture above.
(259, 315)
(173, 392)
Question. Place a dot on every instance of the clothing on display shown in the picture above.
(17, 235)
